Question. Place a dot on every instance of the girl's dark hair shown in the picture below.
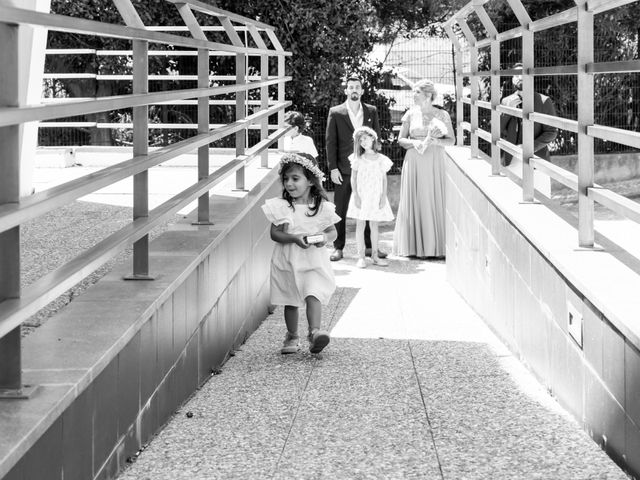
(296, 119)
(316, 192)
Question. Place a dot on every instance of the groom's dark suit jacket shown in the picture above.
(339, 136)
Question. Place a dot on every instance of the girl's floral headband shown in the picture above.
(304, 162)
(364, 130)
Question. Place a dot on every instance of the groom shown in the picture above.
(343, 120)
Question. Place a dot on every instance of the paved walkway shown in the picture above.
(413, 385)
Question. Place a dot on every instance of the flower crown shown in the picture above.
(302, 161)
(364, 130)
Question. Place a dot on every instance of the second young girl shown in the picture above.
(302, 222)
(369, 185)
(295, 141)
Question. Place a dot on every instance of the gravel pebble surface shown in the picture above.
(57, 237)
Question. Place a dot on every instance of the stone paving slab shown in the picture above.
(406, 389)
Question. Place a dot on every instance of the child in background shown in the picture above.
(369, 184)
(302, 222)
(295, 141)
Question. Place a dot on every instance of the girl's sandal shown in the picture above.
(380, 261)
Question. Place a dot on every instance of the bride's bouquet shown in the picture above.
(435, 129)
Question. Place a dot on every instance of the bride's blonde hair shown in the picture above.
(427, 88)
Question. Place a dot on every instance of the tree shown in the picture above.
(327, 39)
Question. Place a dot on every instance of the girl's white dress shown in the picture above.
(371, 172)
(297, 273)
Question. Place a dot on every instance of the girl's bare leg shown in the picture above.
(314, 313)
(374, 237)
(318, 338)
(374, 246)
(291, 319)
(360, 224)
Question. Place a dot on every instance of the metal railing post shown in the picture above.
(528, 93)
(457, 58)
(475, 89)
(585, 119)
(264, 92)
(527, 98)
(204, 214)
(241, 97)
(492, 33)
(141, 149)
(10, 344)
(241, 70)
(140, 51)
(495, 101)
(281, 73)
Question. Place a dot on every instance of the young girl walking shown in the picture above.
(369, 185)
(302, 222)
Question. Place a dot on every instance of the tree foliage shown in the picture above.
(327, 39)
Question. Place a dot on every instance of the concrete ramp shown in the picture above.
(412, 385)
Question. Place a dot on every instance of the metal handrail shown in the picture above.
(31, 207)
(46, 289)
(63, 23)
(17, 305)
(583, 183)
(16, 115)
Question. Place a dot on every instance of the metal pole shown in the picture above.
(475, 90)
(241, 69)
(140, 149)
(204, 215)
(495, 84)
(264, 104)
(475, 96)
(10, 345)
(495, 101)
(456, 53)
(527, 98)
(281, 96)
(585, 119)
(527, 108)
(264, 91)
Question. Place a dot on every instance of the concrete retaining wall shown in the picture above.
(117, 362)
(613, 167)
(570, 315)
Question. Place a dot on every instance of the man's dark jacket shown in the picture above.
(339, 136)
(543, 135)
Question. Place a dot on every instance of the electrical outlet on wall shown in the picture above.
(574, 323)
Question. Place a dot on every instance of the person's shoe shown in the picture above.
(318, 339)
(291, 344)
(381, 254)
(361, 263)
(336, 255)
(380, 262)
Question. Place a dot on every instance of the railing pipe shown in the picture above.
(586, 172)
(141, 149)
(281, 72)
(10, 346)
(62, 23)
(264, 91)
(474, 79)
(17, 305)
(583, 183)
(196, 31)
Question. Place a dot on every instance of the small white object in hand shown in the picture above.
(436, 128)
